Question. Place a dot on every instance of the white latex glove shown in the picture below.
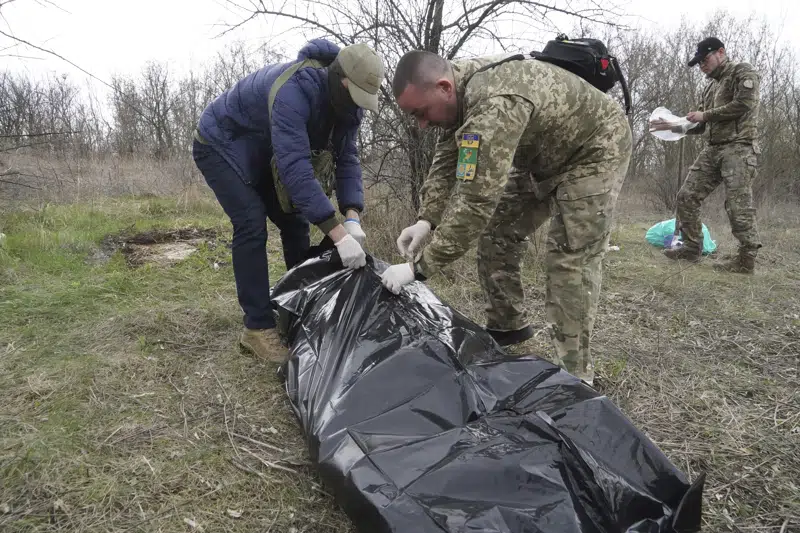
(354, 228)
(350, 252)
(396, 277)
(410, 238)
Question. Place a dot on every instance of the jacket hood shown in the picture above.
(320, 49)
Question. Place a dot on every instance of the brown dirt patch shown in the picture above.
(159, 247)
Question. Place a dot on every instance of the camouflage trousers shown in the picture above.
(736, 166)
(581, 209)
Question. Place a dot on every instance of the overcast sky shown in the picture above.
(113, 36)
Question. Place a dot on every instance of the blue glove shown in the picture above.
(353, 227)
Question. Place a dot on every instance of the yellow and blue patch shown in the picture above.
(468, 156)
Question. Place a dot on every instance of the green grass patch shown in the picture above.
(129, 407)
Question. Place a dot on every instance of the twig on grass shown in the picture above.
(259, 443)
(270, 464)
(182, 408)
(225, 413)
(245, 468)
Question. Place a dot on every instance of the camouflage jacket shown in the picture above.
(526, 114)
(730, 104)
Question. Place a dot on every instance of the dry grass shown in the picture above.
(128, 407)
(68, 178)
(707, 364)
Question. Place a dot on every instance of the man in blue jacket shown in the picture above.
(275, 145)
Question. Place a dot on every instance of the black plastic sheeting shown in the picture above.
(419, 423)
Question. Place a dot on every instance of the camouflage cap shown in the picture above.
(364, 70)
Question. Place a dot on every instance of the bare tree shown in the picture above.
(128, 137)
(31, 115)
(157, 99)
(155, 113)
(231, 64)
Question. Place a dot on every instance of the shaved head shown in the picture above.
(424, 87)
(419, 68)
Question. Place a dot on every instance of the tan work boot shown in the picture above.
(744, 263)
(265, 344)
(687, 252)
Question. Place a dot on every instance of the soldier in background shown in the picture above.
(728, 112)
(520, 137)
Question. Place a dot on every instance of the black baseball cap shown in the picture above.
(705, 47)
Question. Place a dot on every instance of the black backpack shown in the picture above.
(589, 59)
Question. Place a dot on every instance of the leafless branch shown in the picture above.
(19, 184)
(44, 134)
(20, 56)
(59, 56)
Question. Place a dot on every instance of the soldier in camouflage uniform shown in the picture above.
(728, 112)
(522, 140)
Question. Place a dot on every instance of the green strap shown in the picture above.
(285, 75)
(321, 164)
(199, 138)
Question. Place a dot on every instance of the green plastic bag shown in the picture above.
(660, 233)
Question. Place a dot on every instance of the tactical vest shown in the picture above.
(322, 161)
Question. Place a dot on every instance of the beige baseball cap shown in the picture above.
(364, 68)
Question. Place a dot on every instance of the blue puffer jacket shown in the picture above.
(237, 125)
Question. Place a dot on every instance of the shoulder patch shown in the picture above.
(468, 156)
(748, 84)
